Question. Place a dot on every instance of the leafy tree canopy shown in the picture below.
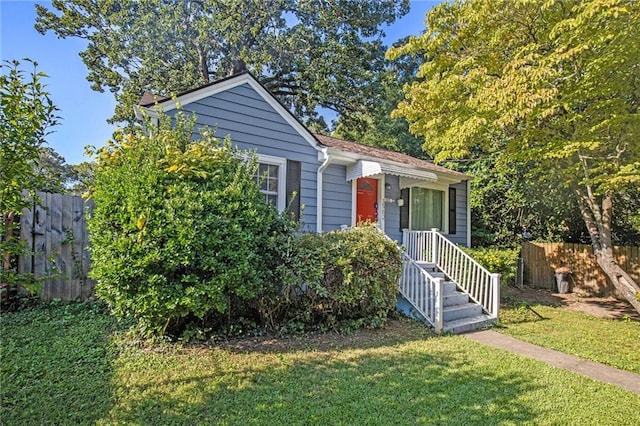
(375, 126)
(57, 176)
(554, 85)
(310, 54)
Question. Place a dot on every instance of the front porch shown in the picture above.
(444, 286)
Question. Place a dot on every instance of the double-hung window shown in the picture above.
(271, 177)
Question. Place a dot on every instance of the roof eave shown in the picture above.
(351, 157)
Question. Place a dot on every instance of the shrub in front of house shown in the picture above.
(497, 260)
(341, 279)
(179, 228)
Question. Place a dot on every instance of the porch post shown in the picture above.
(495, 292)
(439, 296)
(434, 245)
(404, 241)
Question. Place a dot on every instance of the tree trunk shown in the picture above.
(5, 286)
(620, 279)
(598, 221)
(202, 63)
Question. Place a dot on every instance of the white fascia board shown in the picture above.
(342, 157)
(448, 179)
(408, 182)
(201, 93)
(142, 111)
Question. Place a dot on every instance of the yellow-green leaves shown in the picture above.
(563, 75)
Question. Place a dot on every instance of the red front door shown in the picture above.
(367, 200)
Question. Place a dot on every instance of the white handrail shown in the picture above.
(421, 290)
(482, 286)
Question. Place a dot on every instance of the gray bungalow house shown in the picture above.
(340, 183)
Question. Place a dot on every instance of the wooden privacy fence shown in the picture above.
(541, 260)
(55, 233)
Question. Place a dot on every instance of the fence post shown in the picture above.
(438, 314)
(495, 292)
(434, 245)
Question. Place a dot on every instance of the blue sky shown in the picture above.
(84, 112)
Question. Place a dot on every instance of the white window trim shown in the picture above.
(282, 177)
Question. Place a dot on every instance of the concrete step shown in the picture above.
(451, 313)
(437, 274)
(464, 325)
(449, 288)
(427, 266)
(456, 298)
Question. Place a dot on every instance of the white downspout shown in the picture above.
(323, 166)
(468, 212)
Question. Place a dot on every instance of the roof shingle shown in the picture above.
(383, 154)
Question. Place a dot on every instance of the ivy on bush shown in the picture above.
(179, 226)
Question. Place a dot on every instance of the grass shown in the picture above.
(56, 364)
(69, 365)
(607, 341)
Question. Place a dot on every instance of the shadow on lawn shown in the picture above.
(56, 364)
(405, 384)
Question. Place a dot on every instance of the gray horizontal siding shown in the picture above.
(392, 210)
(336, 202)
(460, 237)
(253, 124)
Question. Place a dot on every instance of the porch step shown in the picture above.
(467, 310)
(463, 325)
(437, 274)
(427, 266)
(455, 298)
(449, 288)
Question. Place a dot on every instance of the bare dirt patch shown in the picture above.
(395, 332)
(401, 330)
(601, 307)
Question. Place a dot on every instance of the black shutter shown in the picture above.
(452, 211)
(404, 209)
(294, 169)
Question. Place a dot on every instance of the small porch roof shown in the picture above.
(364, 160)
(364, 168)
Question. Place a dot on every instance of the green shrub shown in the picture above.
(336, 280)
(179, 228)
(497, 260)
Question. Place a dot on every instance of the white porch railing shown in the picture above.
(482, 286)
(422, 291)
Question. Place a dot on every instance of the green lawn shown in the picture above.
(70, 365)
(612, 342)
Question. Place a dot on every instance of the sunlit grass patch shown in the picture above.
(95, 374)
(612, 342)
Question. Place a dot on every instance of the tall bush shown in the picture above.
(497, 260)
(342, 277)
(180, 227)
(26, 115)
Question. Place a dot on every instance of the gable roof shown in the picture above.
(383, 154)
(157, 103)
(149, 99)
(167, 104)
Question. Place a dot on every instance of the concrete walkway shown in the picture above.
(594, 370)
